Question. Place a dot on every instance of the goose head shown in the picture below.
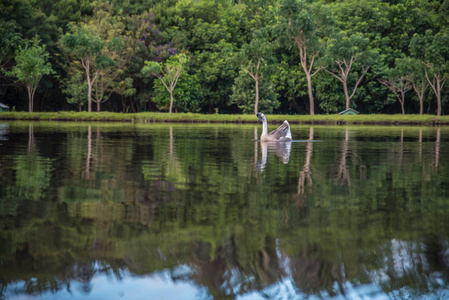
(260, 116)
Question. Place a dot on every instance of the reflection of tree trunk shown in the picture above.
(343, 175)
(401, 150)
(86, 173)
(172, 158)
(420, 145)
(305, 173)
(437, 147)
(98, 148)
(256, 150)
(31, 140)
(171, 150)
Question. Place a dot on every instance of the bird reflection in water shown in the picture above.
(280, 149)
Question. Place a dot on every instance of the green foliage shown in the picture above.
(244, 94)
(75, 87)
(168, 74)
(187, 94)
(431, 49)
(10, 39)
(83, 42)
(31, 64)
(115, 38)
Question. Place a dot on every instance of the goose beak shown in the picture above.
(259, 116)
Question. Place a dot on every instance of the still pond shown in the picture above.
(190, 211)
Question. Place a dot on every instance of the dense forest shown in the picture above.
(225, 56)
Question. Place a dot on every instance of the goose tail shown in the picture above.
(289, 133)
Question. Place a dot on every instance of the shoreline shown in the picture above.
(153, 117)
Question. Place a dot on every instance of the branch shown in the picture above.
(359, 81)
(250, 73)
(319, 69)
(335, 75)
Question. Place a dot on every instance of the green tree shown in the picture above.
(301, 24)
(398, 83)
(349, 59)
(75, 87)
(186, 97)
(212, 31)
(415, 68)
(31, 64)
(254, 59)
(85, 45)
(243, 94)
(168, 72)
(432, 50)
(113, 78)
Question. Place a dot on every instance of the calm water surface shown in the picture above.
(160, 211)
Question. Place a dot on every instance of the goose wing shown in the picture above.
(282, 132)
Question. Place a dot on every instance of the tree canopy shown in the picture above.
(278, 56)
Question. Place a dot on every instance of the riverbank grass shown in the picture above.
(225, 118)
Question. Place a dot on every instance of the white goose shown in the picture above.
(281, 134)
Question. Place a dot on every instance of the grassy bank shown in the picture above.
(219, 118)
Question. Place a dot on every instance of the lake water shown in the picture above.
(189, 211)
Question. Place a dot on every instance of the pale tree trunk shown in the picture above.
(402, 102)
(30, 99)
(90, 82)
(309, 89)
(171, 101)
(31, 89)
(89, 86)
(89, 95)
(255, 75)
(302, 44)
(345, 90)
(420, 90)
(437, 85)
(257, 97)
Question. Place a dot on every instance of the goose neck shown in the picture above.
(265, 127)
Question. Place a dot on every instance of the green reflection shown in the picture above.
(349, 204)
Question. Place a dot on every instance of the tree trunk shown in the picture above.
(98, 106)
(309, 87)
(86, 65)
(438, 93)
(257, 96)
(402, 104)
(437, 84)
(439, 104)
(171, 102)
(345, 89)
(30, 101)
(89, 94)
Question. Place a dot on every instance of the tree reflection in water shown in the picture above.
(187, 202)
